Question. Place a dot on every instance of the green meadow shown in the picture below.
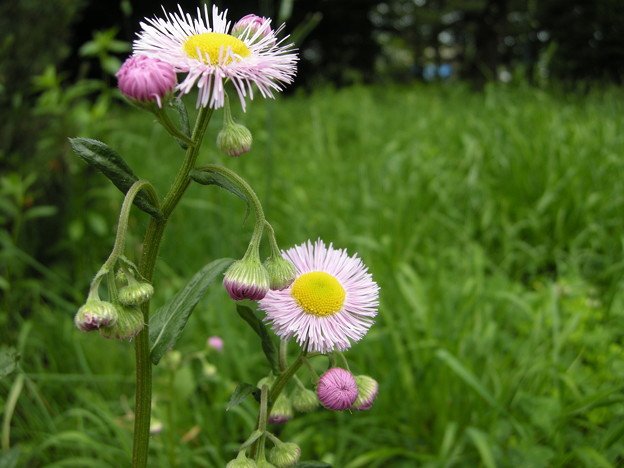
(493, 222)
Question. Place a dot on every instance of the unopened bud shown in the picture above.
(285, 454)
(304, 400)
(281, 272)
(234, 139)
(246, 279)
(367, 392)
(95, 314)
(136, 293)
(337, 389)
(254, 28)
(145, 79)
(282, 410)
(241, 461)
(129, 324)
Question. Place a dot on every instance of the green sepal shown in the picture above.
(168, 322)
(242, 391)
(270, 351)
(112, 165)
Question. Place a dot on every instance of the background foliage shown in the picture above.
(491, 219)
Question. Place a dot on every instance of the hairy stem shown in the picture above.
(151, 246)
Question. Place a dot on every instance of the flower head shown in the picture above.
(332, 301)
(367, 392)
(95, 314)
(206, 50)
(246, 279)
(337, 389)
(144, 79)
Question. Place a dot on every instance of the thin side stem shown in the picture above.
(151, 246)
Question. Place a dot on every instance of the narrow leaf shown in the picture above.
(185, 125)
(480, 441)
(112, 165)
(167, 323)
(213, 178)
(258, 326)
(242, 391)
(9, 358)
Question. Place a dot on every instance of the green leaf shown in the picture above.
(479, 439)
(42, 211)
(185, 125)
(9, 358)
(258, 326)
(109, 163)
(9, 459)
(167, 323)
(242, 391)
(213, 178)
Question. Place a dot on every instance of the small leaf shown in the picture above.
(8, 361)
(213, 178)
(242, 391)
(109, 163)
(185, 126)
(258, 326)
(167, 323)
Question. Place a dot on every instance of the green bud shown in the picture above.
(304, 400)
(241, 461)
(367, 392)
(95, 314)
(234, 139)
(136, 293)
(281, 272)
(129, 324)
(284, 454)
(282, 410)
(246, 279)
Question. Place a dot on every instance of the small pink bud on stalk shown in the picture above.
(367, 392)
(95, 314)
(246, 279)
(144, 79)
(254, 27)
(336, 389)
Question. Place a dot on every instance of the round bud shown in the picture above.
(367, 392)
(129, 324)
(136, 293)
(246, 279)
(241, 461)
(234, 139)
(255, 28)
(282, 410)
(285, 454)
(95, 314)
(304, 400)
(281, 272)
(146, 79)
(336, 389)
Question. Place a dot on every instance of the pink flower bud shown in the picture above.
(253, 27)
(216, 343)
(336, 389)
(142, 78)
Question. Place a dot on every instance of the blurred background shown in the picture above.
(474, 155)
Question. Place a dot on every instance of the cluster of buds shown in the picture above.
(121, 318)
(339, 390)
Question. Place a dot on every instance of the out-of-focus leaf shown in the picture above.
(9, 358)
(242, 391)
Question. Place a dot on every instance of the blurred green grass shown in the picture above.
(493, 224)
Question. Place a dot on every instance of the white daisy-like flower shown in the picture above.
(331, 303)
(211, 56)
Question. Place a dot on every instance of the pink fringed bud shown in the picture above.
(246, 279)
(253, 27)
(337, 389)
(216, 343)
(146, 79)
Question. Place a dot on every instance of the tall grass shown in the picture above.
(493, 224)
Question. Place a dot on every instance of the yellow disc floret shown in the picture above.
(209, 45)
(318, 293)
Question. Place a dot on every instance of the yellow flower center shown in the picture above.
(210, 45)
(318, 293)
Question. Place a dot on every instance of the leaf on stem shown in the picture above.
(185, 126)
(9, 358)
(270, 351)
(242, 391)
(112, 165)
(213, 178)
(167, 323)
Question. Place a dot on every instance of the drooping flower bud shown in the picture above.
(253, 27)
(367, 392)
(282, 410)
(95, 314)
(304, 400)
(246, 279)
(281, 272)
(284, 454)
(234, 139)
(241, 461)
(136, 293)
(337, 389)
(146, 79)
(129, 324)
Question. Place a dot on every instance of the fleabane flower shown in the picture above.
(145, 79)
(337, 389)
(332, 301)
(205, 49)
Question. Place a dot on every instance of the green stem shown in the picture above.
(165, 121)
(263, 417)
(151, 246)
